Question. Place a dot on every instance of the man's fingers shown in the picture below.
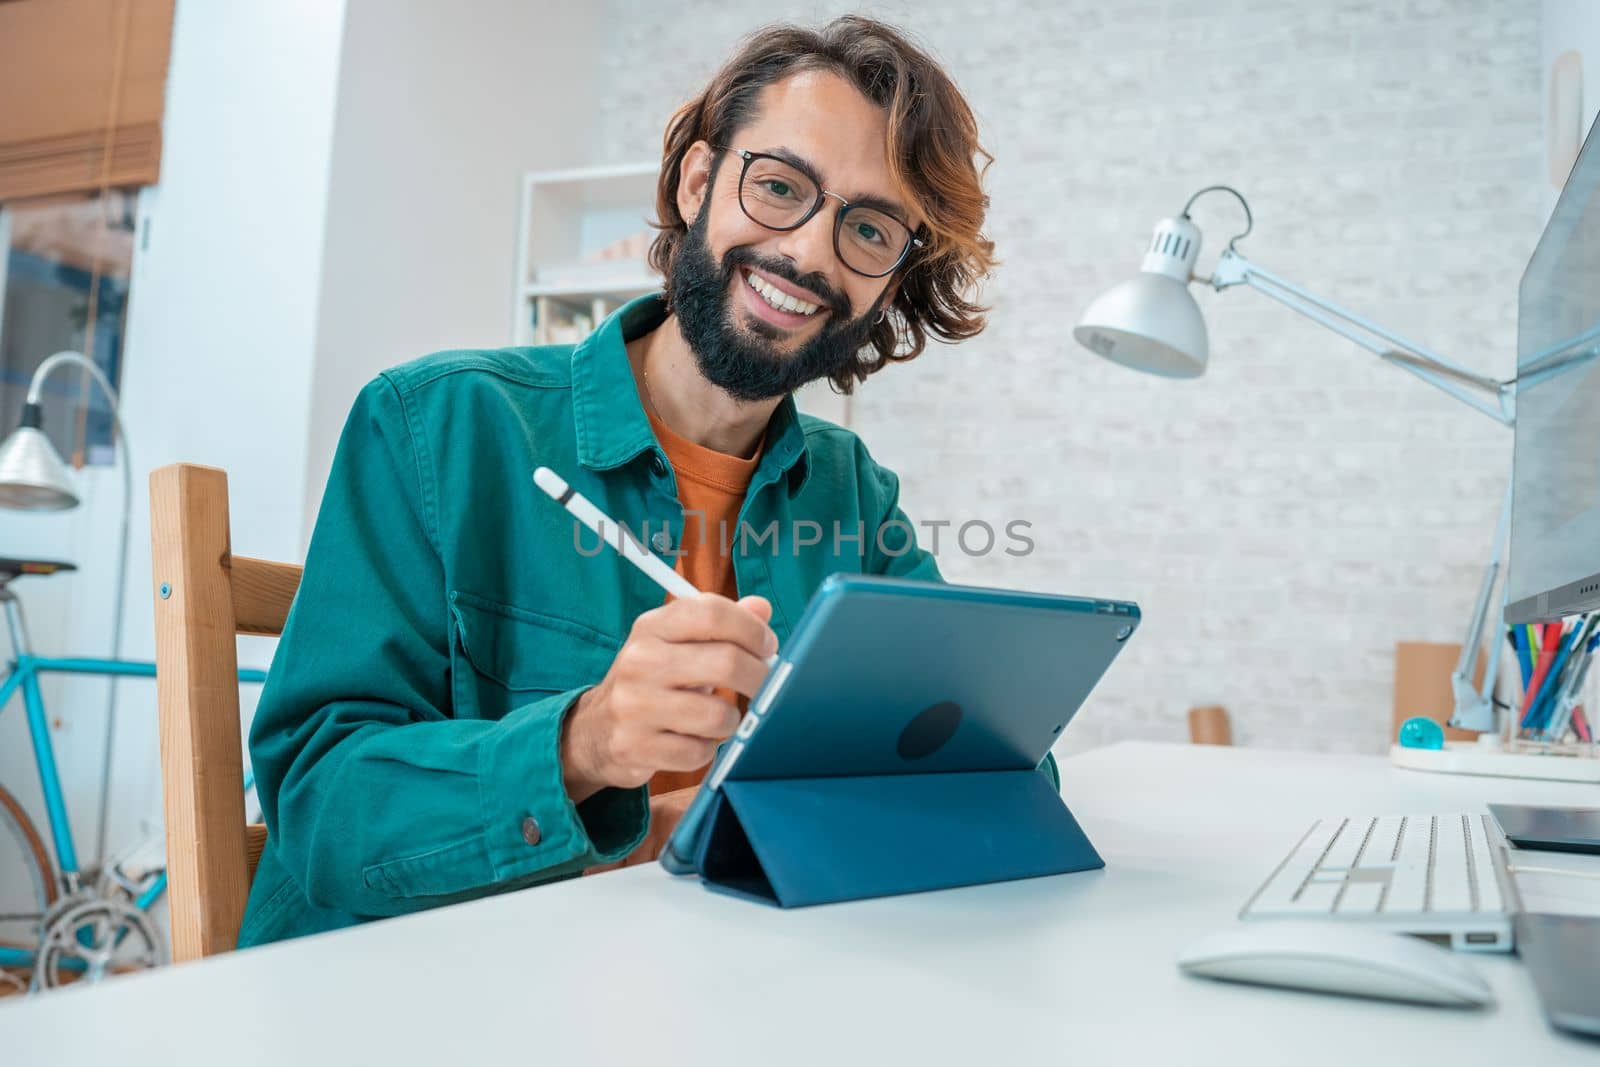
(695, 715)
(675, 752)
(710, 617)
(759, 606)
(658, 712)
(714, 663)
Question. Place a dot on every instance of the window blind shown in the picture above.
(82, 87)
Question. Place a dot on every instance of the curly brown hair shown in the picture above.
(933, 153)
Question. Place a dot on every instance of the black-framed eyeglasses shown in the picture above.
(776, 194)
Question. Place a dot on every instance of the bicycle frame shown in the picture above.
(24, 676)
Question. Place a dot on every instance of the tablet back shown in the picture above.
(890, 676)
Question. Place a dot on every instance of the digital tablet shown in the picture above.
(893, 676)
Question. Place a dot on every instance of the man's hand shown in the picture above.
(655, 709)
(665, 811)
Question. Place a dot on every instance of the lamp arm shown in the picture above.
(1474, 707)
(76, 359)
(1559, 358)
(35, 390)
(1443, 374)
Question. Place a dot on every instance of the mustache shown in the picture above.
(814, 283)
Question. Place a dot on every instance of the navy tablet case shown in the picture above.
(895, 746)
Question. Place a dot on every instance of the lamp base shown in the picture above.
(1467, 757)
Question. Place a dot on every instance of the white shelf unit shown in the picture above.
(567, 216)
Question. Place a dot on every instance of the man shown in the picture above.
(467, 698)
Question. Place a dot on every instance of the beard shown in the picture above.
(750, 363)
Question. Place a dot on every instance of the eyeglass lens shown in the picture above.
(779, 196)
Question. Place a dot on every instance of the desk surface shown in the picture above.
(638, 966)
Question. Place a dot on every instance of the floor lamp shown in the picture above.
(34, 478)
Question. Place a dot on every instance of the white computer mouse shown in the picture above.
(1336, 957)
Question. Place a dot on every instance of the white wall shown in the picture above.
(442, 106)
(219, 357)
(1289, 517)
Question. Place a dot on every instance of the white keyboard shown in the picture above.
(1439, 876)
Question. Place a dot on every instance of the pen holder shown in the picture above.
(1422, 688)
(1513, 742)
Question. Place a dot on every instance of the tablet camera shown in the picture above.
(929, 730)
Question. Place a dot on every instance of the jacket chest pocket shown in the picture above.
(504, 656)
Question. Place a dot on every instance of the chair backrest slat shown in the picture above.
(255, 839)
(262, 593)
(204, 597)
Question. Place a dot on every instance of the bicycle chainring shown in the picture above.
(86, 937)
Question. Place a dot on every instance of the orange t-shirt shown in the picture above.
(711, 488)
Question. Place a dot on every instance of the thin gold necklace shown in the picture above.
(649, 401)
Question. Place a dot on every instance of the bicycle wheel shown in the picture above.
(27, 878)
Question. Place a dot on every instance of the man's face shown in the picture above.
(741, 342)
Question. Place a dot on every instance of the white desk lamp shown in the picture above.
(1152, 323)
(34, 478)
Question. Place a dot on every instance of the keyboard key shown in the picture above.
(1360, 898)
(1285, 883)
(1489, 898)
(1382, 842)
(1342, 854)
(1408, 885)
(1451, 890)
(1315, 899)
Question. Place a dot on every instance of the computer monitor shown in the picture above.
(1555, 480)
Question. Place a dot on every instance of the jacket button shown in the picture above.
(661, 541)
(530, 830)
(658, 465)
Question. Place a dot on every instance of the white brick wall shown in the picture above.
(1286, 519)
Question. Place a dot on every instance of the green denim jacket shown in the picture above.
(405, 745)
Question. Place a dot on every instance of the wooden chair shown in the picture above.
(204, 597)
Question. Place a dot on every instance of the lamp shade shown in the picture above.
(32, 475)
(1150, 322)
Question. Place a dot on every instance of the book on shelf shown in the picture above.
(560, 322)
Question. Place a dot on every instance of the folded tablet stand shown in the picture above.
(800, 841)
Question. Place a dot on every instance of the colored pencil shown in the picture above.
(1572, 691)
(1519, 641)
(1547, 655)
(1558, 682)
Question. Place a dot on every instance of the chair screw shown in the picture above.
(166, 590)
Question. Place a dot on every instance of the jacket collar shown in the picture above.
(609, 416)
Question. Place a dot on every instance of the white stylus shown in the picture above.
(585, 512)
(583, 509)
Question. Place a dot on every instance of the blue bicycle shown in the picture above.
(58, 922)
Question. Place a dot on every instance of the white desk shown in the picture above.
(639, 967)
